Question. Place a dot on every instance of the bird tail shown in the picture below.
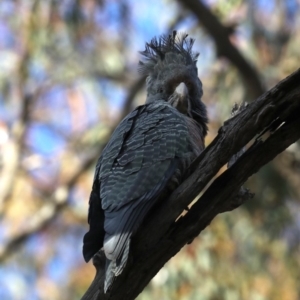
(114, 268)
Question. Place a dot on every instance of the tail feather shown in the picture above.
(109, 274)
(121, 225)
(114, 268)
(121, 263)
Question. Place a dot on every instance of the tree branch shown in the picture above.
(162, 234)
(58, 200)
(221, 34)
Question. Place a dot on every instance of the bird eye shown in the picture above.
(188, 85)
(160, 90)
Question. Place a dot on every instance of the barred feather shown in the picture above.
(148, 153)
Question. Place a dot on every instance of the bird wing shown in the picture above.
(134, 168)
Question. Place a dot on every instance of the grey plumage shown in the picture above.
(148, 152)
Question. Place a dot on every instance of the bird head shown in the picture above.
(172, 75)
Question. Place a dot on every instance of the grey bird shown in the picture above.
(149, 151)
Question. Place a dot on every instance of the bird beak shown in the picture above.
(180, 98)
(182, 90)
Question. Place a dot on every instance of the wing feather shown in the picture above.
(133, 170)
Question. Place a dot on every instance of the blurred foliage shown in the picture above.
(66, 69)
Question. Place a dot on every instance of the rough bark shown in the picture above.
(163, 234)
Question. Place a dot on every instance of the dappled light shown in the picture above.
(69, 74)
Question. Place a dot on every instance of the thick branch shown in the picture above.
(161, 237)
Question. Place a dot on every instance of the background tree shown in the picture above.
(68, 75)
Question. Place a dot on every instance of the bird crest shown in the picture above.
(157, 49)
